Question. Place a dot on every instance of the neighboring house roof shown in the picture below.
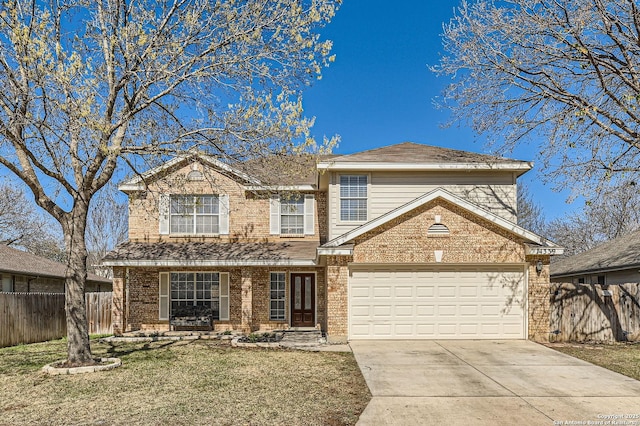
(300, 253)
(618, 254)
(430, 196)
(414, 156)
(19, 262)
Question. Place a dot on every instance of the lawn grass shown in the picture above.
(623, 358)
(183, 383)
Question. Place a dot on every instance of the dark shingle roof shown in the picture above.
(410, 152)
(621, 253)
(201, 251)
(22, 263)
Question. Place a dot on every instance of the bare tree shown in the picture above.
(530, 214)
(611, 214)
(562, 74)
(92, 87)
(107, 226)
(22, 226)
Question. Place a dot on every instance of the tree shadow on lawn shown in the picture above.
(140, 351)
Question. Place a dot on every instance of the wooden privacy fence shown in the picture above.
(37, 317)
(593, 313)
(99, 312)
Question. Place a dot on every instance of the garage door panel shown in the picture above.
(403, 292)
(424, 291)
(405, 311)
(469, 310)
(382, 330)
(382, 291)
(446, 291)
(472, 302)
(382, 311)
(425, 311)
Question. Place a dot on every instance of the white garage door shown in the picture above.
(392, 302)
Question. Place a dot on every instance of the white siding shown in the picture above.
(494, 191)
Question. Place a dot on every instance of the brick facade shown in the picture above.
(248, 216)
(249, 289)
(471, 240)
(403, 240)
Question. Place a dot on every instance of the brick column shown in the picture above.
(337, 298)
(247, 300)
(118, 319)
(539, 299)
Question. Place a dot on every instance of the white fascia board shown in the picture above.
(204, 263)
(364, 166)
(336, 251)
(423, 199)
(281, 188)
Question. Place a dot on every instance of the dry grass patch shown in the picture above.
(620, 357)
(183, 383)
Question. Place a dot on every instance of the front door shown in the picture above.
(303, 300)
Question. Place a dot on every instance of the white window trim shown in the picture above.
(164, 298)
(164, 208)
(339, 198)
(308, 216)
(224, 279)
(286, 295)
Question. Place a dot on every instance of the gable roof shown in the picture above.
(138, 183)
(446, 195)
(296, 172)
(414, 156)
(20, 262)
(620, 253)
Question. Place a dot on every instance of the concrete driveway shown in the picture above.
(489, 383)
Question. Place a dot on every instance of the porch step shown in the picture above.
(302, 338)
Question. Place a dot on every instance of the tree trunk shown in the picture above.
(78, 348)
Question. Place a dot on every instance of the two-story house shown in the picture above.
(408, 241)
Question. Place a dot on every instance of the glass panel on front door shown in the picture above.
(298, 294)
(307, 293)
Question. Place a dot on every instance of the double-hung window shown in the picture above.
(195, 214)
(277, 296)
(353, 198)
(292, 215)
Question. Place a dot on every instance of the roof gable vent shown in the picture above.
(438, 229)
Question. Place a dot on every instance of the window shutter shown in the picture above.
(309, 212)
(163, 212)
(223, 226)
(274, 203)
(224, 296)
(163, 311)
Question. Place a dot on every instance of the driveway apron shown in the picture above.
(481, 382)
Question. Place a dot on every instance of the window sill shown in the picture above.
(351, 223)
(294, 235)
(194, 235)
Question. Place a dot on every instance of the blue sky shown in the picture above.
(379, 91)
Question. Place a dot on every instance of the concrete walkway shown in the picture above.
(489, 383)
